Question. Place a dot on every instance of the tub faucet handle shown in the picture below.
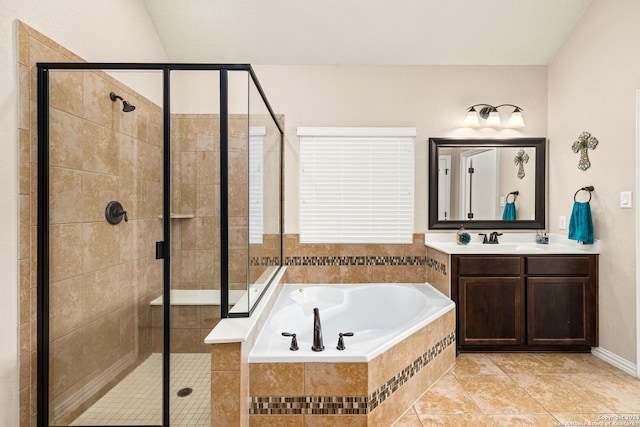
(341, 340)
(294, 340)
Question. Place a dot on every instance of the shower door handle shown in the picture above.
(160, 250)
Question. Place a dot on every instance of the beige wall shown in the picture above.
(592, 87)
(433, 99)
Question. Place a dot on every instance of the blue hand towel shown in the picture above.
(580, 224)
(509, 213)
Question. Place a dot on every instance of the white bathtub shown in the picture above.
(379, 315)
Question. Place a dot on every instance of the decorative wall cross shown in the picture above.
(520, 160)
(585, 142)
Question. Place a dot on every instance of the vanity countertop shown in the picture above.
(510, 244)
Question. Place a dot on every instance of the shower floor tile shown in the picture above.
(137, 399)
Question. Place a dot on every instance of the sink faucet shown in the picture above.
(317, 331)
(492, 238)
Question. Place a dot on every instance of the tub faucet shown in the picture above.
(317, 331)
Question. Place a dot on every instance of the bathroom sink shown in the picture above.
(500, 248)
(487, 248)
(529, 247)
(510, 243)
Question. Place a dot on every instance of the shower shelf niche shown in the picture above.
(178, 216)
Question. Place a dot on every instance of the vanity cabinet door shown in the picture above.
(491, 311)
(559, 311)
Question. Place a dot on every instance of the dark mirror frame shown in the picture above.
(540, 184)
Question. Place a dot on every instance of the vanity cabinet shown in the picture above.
(528, 303)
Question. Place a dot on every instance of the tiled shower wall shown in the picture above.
(102, 276)
(195, 180)
(196, 223)
(195, 195)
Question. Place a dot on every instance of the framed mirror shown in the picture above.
(487, 183)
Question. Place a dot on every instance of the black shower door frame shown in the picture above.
(163, 247)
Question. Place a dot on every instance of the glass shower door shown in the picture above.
(105, 198)
(158, 212)
(195, 241)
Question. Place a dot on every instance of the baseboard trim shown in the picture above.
(615, 360)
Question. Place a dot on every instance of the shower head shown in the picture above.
(126, 107)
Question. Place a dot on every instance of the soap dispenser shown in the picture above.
(462, 237)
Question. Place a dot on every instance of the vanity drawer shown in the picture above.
(558, 265)
(488, 265)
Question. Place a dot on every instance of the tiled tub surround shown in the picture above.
(371, 393)
(230, 343)
(361, 263)
(371, 382)
(311, 263)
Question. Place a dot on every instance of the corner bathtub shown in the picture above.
(379, 315)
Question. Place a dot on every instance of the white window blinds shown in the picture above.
(356, 185)
(256, 138)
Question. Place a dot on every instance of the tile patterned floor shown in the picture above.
(508, 389)
(137, 399)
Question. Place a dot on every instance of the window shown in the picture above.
(256, 138)
(356, 185)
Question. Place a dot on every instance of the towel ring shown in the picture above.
(589, 189)
(514, 194)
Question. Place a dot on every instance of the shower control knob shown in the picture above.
(114, 213)
(341, 340)
(294, 340)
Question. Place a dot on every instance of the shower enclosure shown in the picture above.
(159, 212)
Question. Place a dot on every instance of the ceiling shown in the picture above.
(403, 32)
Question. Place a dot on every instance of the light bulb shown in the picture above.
(471, 121)
(516, 120)
(493, 121)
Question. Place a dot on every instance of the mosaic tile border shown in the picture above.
(365, 260)
(347, 405)
(310, 405)
(436, 265)
(264, 261)
(386, 390)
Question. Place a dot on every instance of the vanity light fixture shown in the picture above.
(492, 117)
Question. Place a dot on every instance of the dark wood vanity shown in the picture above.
(512, 295)
(525, 302)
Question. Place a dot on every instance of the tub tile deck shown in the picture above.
(510, 389)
